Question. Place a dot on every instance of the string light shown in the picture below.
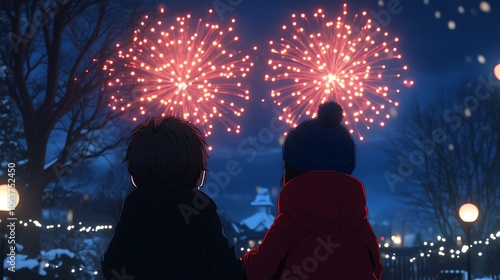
(432, 249)
(80, 226)
(454, 253)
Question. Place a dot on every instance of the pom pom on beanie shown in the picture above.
(322, 143)
(330, 114)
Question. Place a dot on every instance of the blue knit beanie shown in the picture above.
(322, 143)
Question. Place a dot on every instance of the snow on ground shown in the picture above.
(22, 261)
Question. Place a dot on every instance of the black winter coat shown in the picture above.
(169, 232)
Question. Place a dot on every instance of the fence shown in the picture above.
(429, 264)
(434, 261)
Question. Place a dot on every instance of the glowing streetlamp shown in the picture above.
(468, 214)
(9, 198)
(497, 71)
(397, 240)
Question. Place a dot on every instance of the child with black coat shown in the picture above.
(168, 229)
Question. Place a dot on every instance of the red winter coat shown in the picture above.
(321, 232)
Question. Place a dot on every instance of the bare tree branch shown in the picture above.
(461, 167)
(56, 53)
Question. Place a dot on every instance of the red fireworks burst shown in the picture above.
(357, 65)
(188, 69)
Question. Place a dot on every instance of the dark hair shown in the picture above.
(166, 150)
(288, 174)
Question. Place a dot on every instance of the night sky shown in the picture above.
(438, 59)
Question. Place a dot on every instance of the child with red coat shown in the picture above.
(322, 231)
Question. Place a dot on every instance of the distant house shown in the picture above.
(255, 226)
(262, 219)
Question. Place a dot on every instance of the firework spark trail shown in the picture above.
(332, 60)
(187, 69)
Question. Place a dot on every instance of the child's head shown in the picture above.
(319, 144)
(166, 150)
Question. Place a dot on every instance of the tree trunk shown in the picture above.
(30, 205)
(30, 208)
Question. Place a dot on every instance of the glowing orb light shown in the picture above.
(189, 69)
(452, 25)
(355, 64)
(9, 198)
(481, 59)
(468, 212)
(396, 239)
(451, 11)
(485, 7)
(497, 71)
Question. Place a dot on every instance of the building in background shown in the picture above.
(249, 232)
(262, 219)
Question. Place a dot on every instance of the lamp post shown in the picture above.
(9, 199)
(468, 213)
